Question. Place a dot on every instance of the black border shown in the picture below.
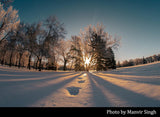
(75, 111)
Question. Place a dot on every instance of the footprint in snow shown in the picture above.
(73, 90)
(82, 81)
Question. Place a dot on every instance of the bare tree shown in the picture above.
(47, 36)
(41, 49)
(63, 49)
(54, 32)
(11, 45)
(6, 3)
(33, 31)
(21, 41)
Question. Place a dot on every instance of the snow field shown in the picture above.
(136, 86)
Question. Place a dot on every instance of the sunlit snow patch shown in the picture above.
(85, 74)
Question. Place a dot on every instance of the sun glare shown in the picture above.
(87, 61)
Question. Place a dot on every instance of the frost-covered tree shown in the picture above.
(21, 41)
(9, 20)
(54, 30)
(51, 32)
(11, 39)
(76, 53)
(6, 3)
(33, 31)
(16, 41)
(41, 49)
(63, 49)
(99, 41)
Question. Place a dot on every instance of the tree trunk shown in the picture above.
(40, 67)
(10, 62)
(64, 67)
(20, 57)
(29, 62)
(37, 64)
(2, 62)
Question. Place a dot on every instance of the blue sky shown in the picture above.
(136, 21)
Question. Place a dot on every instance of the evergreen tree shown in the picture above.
(110, 59)
(98, 42)
(144, 61)
(104, 57)
(99, 51)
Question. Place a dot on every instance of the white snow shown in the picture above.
(136, 86)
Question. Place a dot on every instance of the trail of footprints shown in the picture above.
(72, 90)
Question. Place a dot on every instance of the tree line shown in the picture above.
(42, 45)
(139, 61)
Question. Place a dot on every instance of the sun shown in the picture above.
(87, 61)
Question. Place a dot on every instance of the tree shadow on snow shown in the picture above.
(133, 99)
(25, 98)
(154, 81)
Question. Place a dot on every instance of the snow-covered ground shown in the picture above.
(125, 87)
